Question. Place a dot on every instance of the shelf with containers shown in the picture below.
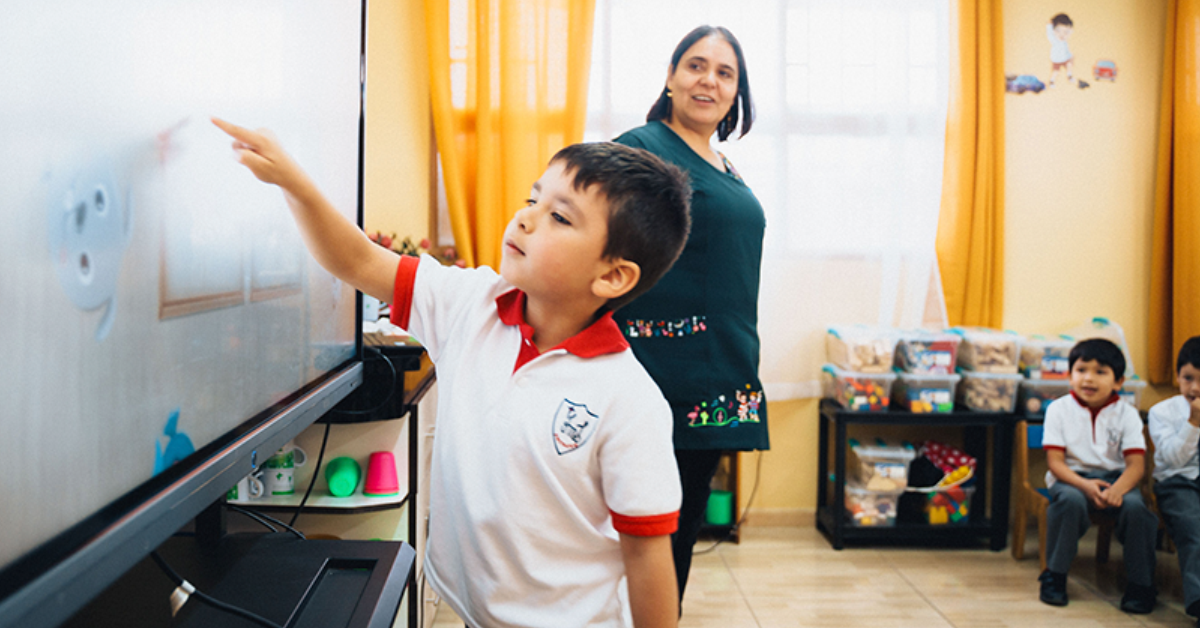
(925, 391)
(987, 436)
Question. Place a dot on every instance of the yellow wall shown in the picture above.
(1080, 169)
(398, 136)
(1079, 190)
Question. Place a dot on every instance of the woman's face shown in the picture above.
(704, 84)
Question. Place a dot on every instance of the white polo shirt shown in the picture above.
(1095, 441)
(539, 459)
(1175, 440)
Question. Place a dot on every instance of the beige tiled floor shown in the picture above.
(792, 577)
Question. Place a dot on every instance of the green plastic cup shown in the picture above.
(720, 508)
(342, 474)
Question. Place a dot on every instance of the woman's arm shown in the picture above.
(337, 244)
(650, 569)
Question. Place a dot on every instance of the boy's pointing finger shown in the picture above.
(245, 136)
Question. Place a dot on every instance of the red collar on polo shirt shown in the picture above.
(601, 337)
(1095, 411)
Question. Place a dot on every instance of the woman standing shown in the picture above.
(696, 331)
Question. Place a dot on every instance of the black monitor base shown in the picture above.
(292, 582)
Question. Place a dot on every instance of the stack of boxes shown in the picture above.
(969, 368)
(964, 368)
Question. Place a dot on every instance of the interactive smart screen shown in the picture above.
(154, 296)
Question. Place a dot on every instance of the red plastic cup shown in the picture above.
(381, 475)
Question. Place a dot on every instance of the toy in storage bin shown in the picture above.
(925, 393)
(880, 468)
(858, 391)
(867, 508)
(1033, 395)
(1131, 390)
(989, 392)
(987, 350)
(1045, 358)
(861, 348)
(927, 352)
(949, 505)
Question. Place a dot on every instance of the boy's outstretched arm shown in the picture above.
(650, 569)
(337, 244)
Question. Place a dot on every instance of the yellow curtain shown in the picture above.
(509, 85)
(970, 236)
(1175, 255)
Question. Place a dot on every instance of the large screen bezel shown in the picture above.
(49, 584)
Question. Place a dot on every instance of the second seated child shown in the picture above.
(1175, 430)
(553, 478)
(1096, 453)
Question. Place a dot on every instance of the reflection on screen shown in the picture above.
(154, 295)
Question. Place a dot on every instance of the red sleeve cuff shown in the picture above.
(653, 525)
(1058, 447)
(1129, 452)
(406, 276)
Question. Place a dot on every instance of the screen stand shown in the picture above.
(210, 527)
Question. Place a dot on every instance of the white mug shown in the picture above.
(247, 488)
(279, 470)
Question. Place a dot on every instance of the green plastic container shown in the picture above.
(720, 508)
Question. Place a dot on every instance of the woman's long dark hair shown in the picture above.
(662, 107)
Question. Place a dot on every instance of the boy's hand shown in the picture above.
(260, 152)
(1112, 498)
(1195, 418)
(1094, 490)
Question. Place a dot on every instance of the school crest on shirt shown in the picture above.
(573, 426)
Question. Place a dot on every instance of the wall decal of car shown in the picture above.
(1105, 69)
(1023, 83)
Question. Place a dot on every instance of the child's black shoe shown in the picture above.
(1054, 588)
(1139, 599)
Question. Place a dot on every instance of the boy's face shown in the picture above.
(552, 246)
(1062, 31)
(1189, 382)
(1093, 382)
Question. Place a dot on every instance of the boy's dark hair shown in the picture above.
(1189, 353)
(1061, 20)
(661, 110)
(1101, 350)
(648, 206)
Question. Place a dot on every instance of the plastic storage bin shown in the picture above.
(867, 508)
(925, 393)
(1131, 391)
(861, 348)
(1045, 358)
(1033, 395)
(989, 392)
(880, 468)
(927, 352)
(987, 350)
(950, 506)
(858, 391)
(1101, 327)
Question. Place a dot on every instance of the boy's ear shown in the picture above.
(621, 276)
